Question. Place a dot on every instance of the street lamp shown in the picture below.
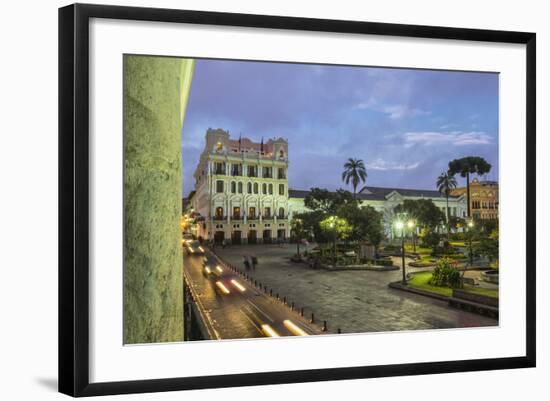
(411, 225)
(401, 226)
(471, 256)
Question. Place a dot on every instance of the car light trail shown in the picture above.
(201, 249)
(238, 285)
(294, 329)
(222, 287)
(218, 268)
(207, 270)
(268, 331)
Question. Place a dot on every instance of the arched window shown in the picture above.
(219, 213)
(281, 213)
(219, 186)
(240, 186)
(233, 187)
(281, 189)
(281, 154)
(264, 188)
(270, 189)
(249, 188)
(255, 187)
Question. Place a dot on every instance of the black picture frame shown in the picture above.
(74, 198)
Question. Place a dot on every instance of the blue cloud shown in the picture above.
(405, 124)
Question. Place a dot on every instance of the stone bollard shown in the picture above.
(284, 300)
(292, 306)
(312, 318)
(339, 330)
(301, 311)
(324, 325)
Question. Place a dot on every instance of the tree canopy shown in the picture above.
(423, 211)
(328, 202)
(469, 165)
(354, 171)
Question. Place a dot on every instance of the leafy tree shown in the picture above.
(425, 213)
(366, 223)
(327, 202)
(298, 231)
(445, 183)
(338, 227)
(430, 239)
(466, 166)
(488, 246)
(310, 222)
(354, 171)
(456, 222)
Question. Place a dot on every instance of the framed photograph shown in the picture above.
(251, 199)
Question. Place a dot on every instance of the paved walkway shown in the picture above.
(354, 301)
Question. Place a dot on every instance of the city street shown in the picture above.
(245, 311)
(353, 301)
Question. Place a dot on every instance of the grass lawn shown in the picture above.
(421, 282)
(410, 248)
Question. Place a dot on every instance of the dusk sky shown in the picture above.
(404, 124)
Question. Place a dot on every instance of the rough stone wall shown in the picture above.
(155, 95)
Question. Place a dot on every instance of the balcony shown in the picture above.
(220, 218)
(219, 171)
(236, 217)
(267, 175)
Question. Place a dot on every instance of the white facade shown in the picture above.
(242, 190)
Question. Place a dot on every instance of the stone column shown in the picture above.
(156, 90)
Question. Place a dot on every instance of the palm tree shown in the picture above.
(465, 167)
(354, 171)
(445, 183)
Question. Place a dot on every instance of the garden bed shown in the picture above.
(421, 281)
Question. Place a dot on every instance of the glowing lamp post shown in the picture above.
(399, 225)
(410, 225)
(470, 253)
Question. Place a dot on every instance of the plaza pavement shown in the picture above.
(354, 301)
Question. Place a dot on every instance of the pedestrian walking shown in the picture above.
(223, 243)
(246, 263)
(254, 262)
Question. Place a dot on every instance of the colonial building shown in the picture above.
(241, 190)
(384, 200)
(483, 199)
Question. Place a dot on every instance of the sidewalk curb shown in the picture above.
(396, 285)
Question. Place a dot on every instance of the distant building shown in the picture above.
(384, 200)
(483, 199)
(241, 190)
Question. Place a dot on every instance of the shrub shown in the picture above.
(430, 240)
(457, 236)
(445, 275)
